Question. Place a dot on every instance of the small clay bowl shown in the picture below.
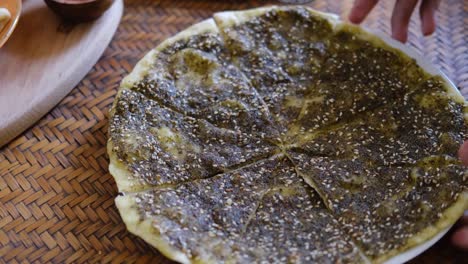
(14, 6)
(79, 10)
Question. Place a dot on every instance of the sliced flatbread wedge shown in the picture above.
(280, 50)
(152, 145)
(190, 74)
(388, 209)
(259, 213)
(424, 122)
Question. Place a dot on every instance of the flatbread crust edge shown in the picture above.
(232, 18)
(451, 214)
(122, 176)
(144, 229)
(142, 67)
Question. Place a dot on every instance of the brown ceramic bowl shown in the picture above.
(79, 10)
(14, 7)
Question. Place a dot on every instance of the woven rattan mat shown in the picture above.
(56, 195)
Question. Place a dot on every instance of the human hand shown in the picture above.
(460, 237)
(401, 15)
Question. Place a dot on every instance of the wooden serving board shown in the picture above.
(44, 59)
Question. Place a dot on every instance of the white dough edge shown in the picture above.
(122, 176)
(144, 228)
(232, 18)
(142, 67)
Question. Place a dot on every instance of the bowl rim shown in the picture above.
(7, 31)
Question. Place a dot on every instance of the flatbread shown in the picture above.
(280, 134)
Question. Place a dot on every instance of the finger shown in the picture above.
(427, 13)
(401, 17)
(460, 237)
(361, 9)
(463, 152)
(464, 219)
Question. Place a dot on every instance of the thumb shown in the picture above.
(463, 153)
